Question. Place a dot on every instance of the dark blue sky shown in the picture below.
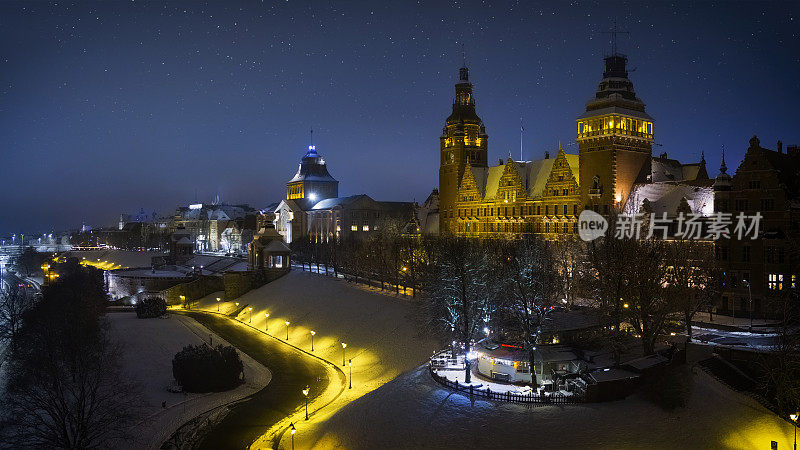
(111, 107)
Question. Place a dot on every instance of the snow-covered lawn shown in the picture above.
(413, 411)
(148, 346)
(382, 337)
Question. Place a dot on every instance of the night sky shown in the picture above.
(111, 107)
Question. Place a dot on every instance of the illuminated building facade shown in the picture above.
(312, 207)
(311, 184)
(545, 196)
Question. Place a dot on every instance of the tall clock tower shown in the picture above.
(615, 140)
(462, 145)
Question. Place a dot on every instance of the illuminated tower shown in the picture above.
(462, 145)
(312, 182)
(615, 140)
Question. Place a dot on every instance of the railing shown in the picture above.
(555, 398)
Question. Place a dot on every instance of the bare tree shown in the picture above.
(13, 304)
(457, 289)
(65, 388)
(530, 289)
(649, 307)
(691, 280)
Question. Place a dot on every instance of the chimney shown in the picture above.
(501, 161)
(663, 155)
(780, 147)
(546, 154)
(792, 150)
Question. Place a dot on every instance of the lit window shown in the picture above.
(794, 281)
(365, 228)
(775, 281)
(353, 227)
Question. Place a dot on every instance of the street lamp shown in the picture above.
(344, 346)
(251, 314)
(350, 363)
(266, 321)
(287, 329)
(750, 293)
(794, 419)
(305, 393)
(312, 339)
(218, 304)
(183, 300)
(293, 432)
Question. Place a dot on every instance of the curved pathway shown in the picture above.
(292, 370)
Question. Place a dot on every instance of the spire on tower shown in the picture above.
(722, 167)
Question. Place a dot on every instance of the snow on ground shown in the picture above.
(382, 337)
(148, 348)
(413, 411)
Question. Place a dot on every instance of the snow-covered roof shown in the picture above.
(277, 246)
(667, 197)
(612, 374)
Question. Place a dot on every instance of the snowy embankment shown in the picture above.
(148, 346)
(413, 411)
(383, 340)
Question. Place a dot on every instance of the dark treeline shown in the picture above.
(64, 386)
(641, 290)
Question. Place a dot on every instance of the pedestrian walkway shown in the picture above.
(730, 323)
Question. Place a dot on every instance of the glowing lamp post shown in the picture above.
(293, 431)
(350, 363)
(305, 394)
(250, 309)
(266, 321)
(794, 418)
(312, 339)
(183, 300)
(344, 346)
(287, 329)
(218, 299)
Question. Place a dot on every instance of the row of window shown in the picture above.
(772, 254)
(503, 211)
(536, 227)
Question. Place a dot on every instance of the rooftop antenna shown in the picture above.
(463, 55)
(521, 130)
(614, 32)
(312, 136)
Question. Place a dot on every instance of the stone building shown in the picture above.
(767, 182)
(545, 197)
(313, 208)
(218, 227)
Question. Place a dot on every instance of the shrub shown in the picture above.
(151, 307)
(201, 368)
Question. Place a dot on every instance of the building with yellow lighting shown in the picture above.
(614, 138)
